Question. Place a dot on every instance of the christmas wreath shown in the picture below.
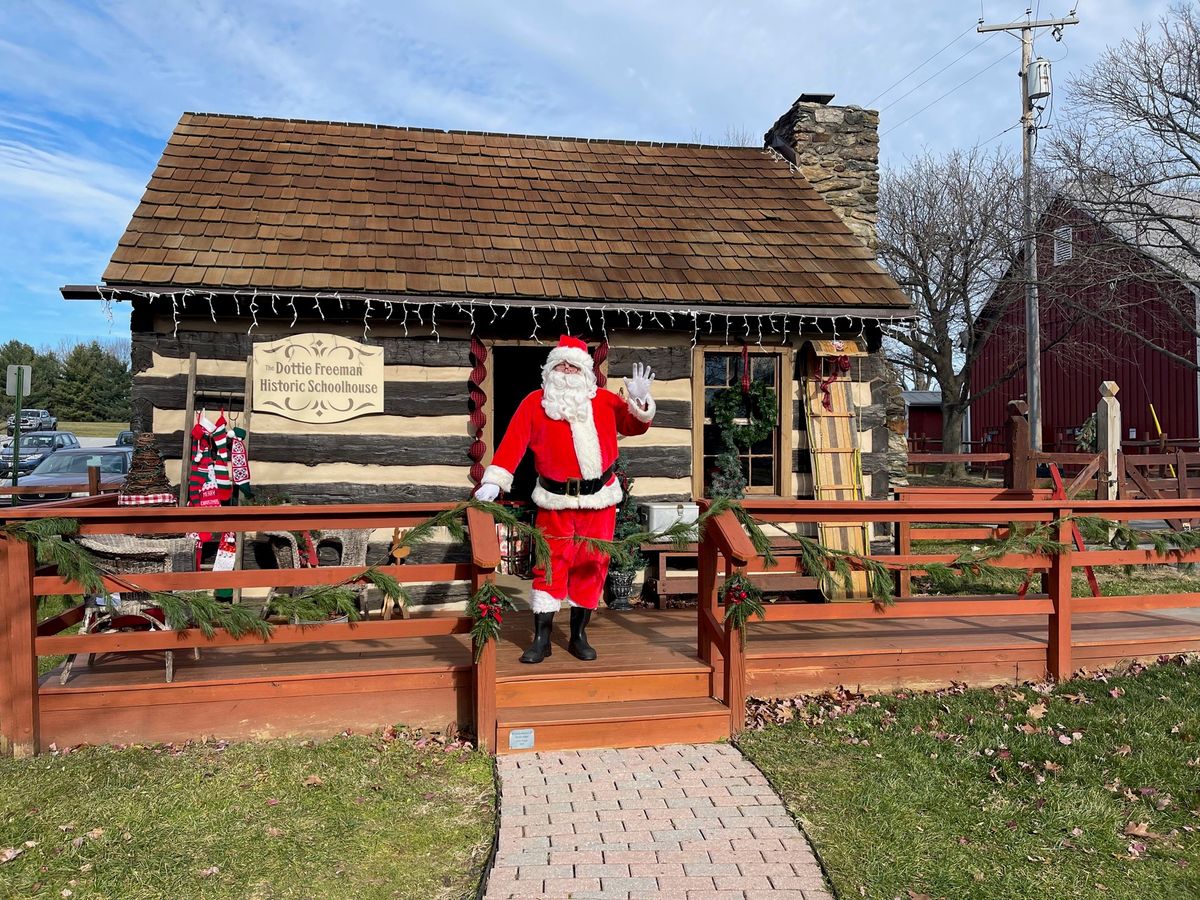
(759, 404)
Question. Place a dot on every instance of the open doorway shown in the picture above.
(516, 371)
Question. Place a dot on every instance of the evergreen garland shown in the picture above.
(487, 607)
(743, 600)
(52, 547)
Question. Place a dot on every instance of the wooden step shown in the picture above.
(560, 688)
(641, 723)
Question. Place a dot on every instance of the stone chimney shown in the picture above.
(837, 149)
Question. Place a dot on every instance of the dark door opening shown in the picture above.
(516, 371)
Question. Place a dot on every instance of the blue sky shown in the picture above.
(89, 92)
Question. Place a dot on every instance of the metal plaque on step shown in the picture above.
(520, 739)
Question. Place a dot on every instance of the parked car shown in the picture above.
(125, 439)
(70, 467)
(35, 447)
(33, 420)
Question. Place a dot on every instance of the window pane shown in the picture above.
(762, 368)
(766, 445)
(762, 472)
(715, 370)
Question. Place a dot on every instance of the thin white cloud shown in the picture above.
(65, 188)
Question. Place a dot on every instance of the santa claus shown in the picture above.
(571, 426)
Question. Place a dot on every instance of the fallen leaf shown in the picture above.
(1026, 728)
(274, 832)
(1076, 832)
(1116, 692)
(314, 781)
(271, 801)
(10, 853)
(1064, 739)
(210, 871)
(1037, 711)
(96, 833)
(1123, 750)
(1137, 829)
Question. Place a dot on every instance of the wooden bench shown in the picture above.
(663, 581)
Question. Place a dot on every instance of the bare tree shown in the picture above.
(1131, 155)
(946, 234)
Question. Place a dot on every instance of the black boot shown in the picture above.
(579, 646)
(543, 625)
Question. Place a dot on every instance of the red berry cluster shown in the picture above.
(737, 595)
(490, 610)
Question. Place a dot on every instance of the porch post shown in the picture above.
(1058, 647)
(735, 679)
(1021, 469)
(485, 557)
(18, 630)
(706, 595)
(1108, 440)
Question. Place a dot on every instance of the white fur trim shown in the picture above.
(609, 495)
(587, 445)
(571, 602)
(542, 602)
(498, 476)
(642, 415)
(573, 355)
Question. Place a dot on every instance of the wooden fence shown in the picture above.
(24, 639)
(724, 549)
(970, 515)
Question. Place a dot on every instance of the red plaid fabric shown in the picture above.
(146, 500)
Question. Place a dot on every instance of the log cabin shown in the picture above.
(463, 255)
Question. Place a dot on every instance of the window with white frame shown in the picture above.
(1062, 244)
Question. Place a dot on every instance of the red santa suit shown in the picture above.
(576, 493)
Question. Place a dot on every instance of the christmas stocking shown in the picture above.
(221, 464)
(239, 462)
(200, 465)
(226, 561)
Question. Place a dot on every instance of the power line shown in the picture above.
(967, 53)
(961, 84)
(1016, 124)
(922, 65)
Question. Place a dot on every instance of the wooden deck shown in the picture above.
(647, 668)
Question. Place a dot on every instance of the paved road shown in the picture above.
(686, 821)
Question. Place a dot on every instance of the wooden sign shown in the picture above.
(318, 378)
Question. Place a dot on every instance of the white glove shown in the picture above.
(638, 387)
(487, 492)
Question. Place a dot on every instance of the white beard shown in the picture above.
(568, 398)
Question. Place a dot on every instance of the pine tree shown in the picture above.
(94, 386)
(45, 374)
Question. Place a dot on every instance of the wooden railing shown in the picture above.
(971, 516)
(94, 486)
(23, 639)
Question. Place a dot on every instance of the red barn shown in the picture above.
(1113, 308)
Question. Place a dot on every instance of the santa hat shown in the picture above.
(571, 350)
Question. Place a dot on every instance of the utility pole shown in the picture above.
(1033, 337)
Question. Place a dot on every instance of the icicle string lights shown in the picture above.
(635, 319)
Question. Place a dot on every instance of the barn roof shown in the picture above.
(277, 204)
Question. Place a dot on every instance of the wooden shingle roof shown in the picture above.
(239, 203)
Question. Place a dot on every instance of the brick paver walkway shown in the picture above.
(695, 822)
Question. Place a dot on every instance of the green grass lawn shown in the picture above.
(1087, 790)
(354, 817)
(93, 429)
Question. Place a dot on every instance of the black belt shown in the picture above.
(576, 487)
